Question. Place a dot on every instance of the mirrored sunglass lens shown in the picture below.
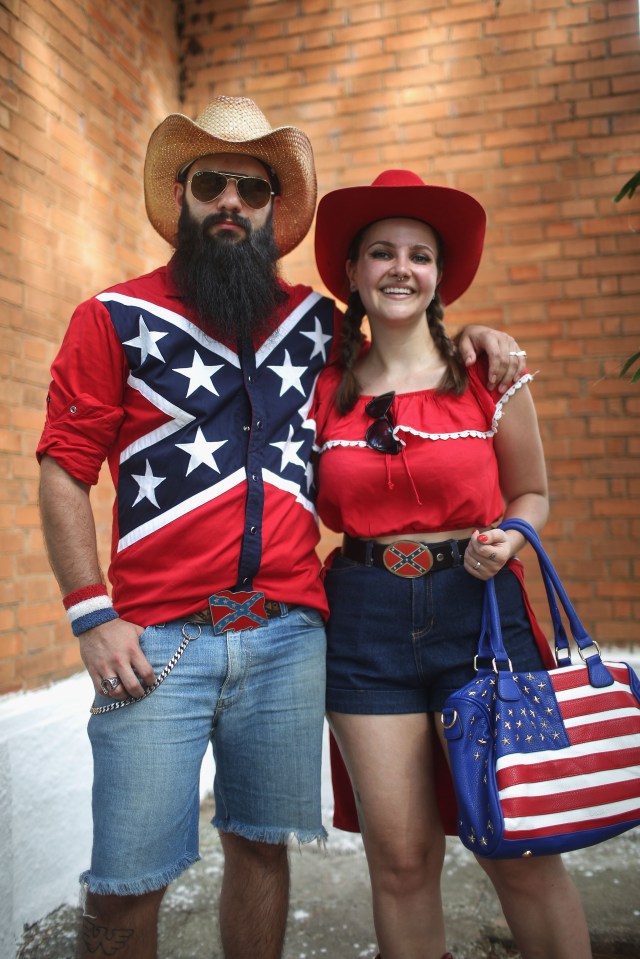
(379, 405)
(254, 191)
(207, 185)
(380, 437)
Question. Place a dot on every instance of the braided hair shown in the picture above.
(351, 340)
(455, 377)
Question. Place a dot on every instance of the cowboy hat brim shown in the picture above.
(178, 140)
(458, 219)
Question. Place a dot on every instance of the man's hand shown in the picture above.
(507, 361)
(113, 650)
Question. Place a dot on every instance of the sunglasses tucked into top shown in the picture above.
(208, 185)
(379, 435)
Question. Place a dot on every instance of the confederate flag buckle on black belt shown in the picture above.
(237, 610)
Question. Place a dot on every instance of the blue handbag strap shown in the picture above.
(491, 643)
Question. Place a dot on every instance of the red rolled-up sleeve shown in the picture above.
(85, 399)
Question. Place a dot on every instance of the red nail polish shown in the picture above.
(482, 538)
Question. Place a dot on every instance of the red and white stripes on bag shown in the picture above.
(587, 783)
(546, 761)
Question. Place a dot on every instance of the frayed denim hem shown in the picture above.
(137, 887)
(271, 834)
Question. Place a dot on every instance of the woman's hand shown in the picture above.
(487, 553)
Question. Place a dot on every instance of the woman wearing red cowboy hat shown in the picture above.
(418, 462)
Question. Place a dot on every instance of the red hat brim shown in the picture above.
(458, 219)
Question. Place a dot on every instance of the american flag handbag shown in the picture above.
(548, 761)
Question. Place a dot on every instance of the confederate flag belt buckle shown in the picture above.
(237, 610)
(407, 559)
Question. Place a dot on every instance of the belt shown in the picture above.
(404, 557)
(273, 608)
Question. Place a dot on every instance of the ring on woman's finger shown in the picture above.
(478, 565)
(108, 684)
(518, 353)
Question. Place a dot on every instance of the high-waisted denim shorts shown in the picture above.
(258, 697)
(399, 645)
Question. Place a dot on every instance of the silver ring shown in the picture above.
(478, 565)
(108, 685)
(518, 353)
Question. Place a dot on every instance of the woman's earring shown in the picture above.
(353, 288)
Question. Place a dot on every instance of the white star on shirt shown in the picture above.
(289, 451)
(318, 338)
(289, 374)
(146, 341)
(199, 374)
(147, 484)
(310, 476)
(201, 451)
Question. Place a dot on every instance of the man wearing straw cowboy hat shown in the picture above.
(194, 382)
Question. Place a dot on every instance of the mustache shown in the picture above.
(214, 218)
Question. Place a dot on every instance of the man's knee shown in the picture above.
(262, 854)
(106, 906)
(119, 912)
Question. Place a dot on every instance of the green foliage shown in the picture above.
(627, 366)
(629, 188)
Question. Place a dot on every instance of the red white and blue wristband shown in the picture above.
(88, 607)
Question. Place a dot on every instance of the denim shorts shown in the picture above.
(399, 645)
(258, 697)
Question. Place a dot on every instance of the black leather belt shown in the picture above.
(404, 557)
(273, 608)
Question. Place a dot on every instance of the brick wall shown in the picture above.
(531, 105)
(83, 85)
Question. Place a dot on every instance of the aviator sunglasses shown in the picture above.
(379, 435)
(208, 185)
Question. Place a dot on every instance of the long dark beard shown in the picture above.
(231, 284)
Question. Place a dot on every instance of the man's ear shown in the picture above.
(178, 194)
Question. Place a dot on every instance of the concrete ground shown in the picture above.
(330, 905)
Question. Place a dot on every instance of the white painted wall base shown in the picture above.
(45, 802)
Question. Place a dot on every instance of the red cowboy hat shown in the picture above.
(457, 218)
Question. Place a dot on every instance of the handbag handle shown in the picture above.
(491, 632)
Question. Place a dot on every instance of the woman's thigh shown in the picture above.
(390, 762)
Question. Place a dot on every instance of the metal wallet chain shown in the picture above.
(118, 704)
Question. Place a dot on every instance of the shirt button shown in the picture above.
(249, 379)
(246, 428)
(259, 425)
(73, 409)
(254, 477)
(253, 530)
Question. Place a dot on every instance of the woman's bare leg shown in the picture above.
(540, 903)
(390, 761)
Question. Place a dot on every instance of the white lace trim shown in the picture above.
(462, 434)
(526, 378)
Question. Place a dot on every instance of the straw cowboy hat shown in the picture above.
(457, 218)
(232, 125)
